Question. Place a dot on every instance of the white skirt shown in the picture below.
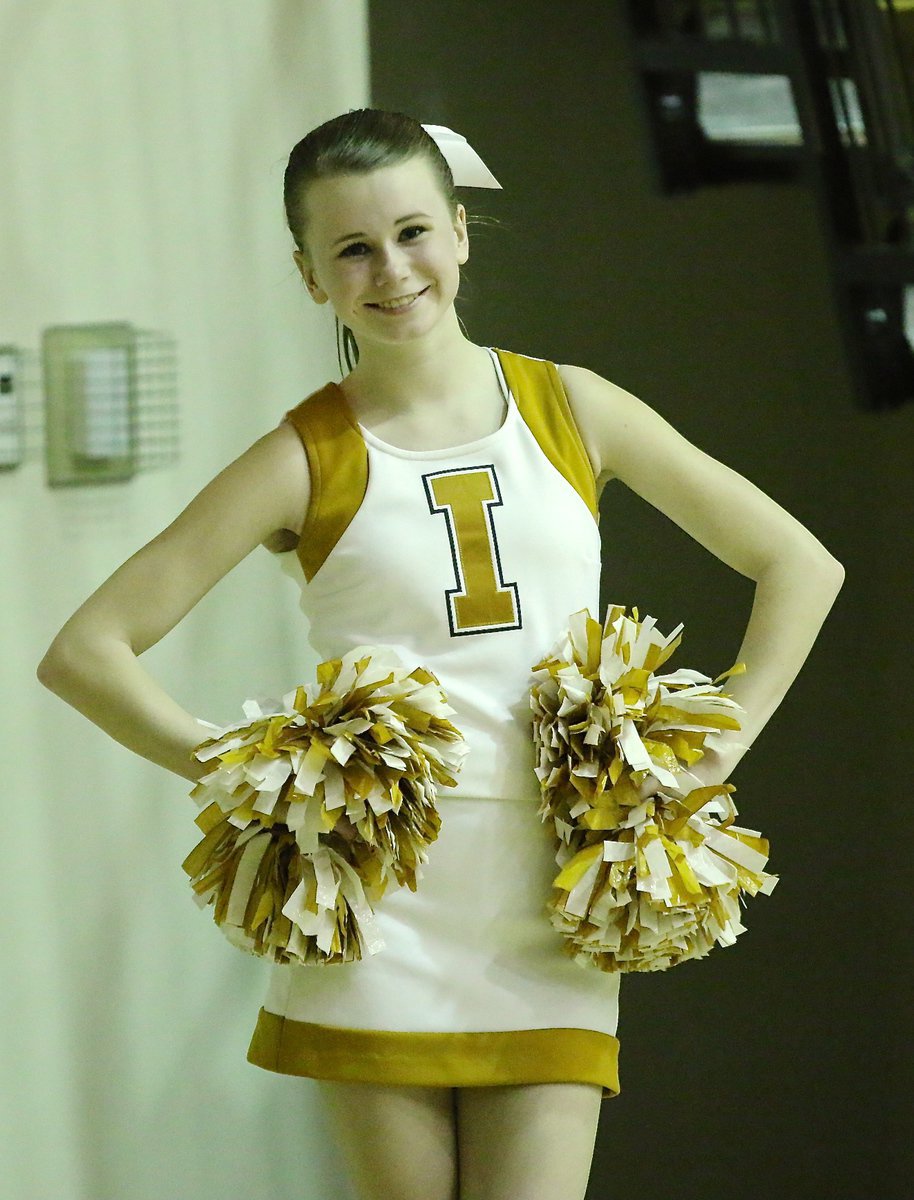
(471, 987)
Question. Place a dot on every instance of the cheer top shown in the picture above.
(467, 560)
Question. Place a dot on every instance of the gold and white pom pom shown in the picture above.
(663, 887)
(647, 884)
(314, 806)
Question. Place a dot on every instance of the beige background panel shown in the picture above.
(144, 149)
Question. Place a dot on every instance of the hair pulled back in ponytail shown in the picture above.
(360, 140)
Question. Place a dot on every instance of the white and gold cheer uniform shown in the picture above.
(468, 561)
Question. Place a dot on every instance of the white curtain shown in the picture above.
(143, 148)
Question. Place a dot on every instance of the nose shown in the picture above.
(392, 263)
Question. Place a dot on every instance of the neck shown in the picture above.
(442, 365)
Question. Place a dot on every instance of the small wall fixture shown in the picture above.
(109, 402)
(11, 420)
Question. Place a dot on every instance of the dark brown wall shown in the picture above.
(776, 1067)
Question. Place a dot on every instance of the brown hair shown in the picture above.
(357, 141)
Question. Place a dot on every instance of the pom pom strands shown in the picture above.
(314, 805)
(647, 884)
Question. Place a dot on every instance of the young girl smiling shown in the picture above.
(442, 499)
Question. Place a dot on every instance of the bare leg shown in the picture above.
(527, 1140)
(397, 1142)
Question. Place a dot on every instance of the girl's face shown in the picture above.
(384, 235)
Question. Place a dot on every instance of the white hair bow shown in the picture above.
(466, 166)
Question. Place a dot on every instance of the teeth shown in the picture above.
(397, 303)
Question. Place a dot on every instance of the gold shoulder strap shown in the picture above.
(537, 387)
(338, 462)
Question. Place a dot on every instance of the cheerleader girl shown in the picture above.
(441, 499)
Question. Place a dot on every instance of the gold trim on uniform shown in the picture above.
(338, 464)
(537, 388)
(553, 1055)
(338, 455)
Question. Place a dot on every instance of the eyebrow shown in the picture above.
(411, 217)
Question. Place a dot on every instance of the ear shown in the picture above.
(460, 230)
(306, 270)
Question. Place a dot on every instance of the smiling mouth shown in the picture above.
(400, 302)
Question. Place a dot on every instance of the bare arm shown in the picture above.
(93, 664)
(796, 578)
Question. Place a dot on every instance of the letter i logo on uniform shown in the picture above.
(481, 602)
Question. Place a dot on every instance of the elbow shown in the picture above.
(833, 572)
(819, 563)
(816, 571)
(51, 668)
(61, 661)
(830, 583)
(810, 560)
(75, 657)
(839, 575)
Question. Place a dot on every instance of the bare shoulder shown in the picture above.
(256, 496)
(599, 408)
(293, 481)
(270, 481)
(719, 508)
